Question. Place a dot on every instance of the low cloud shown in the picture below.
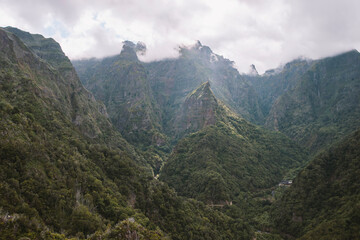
(265, 33)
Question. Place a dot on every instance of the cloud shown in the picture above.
(266, 33)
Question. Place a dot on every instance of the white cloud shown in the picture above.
(262, 32)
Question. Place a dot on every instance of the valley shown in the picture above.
(178, 148)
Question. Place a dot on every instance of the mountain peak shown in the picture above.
(198, 44)
(128, 51)
(45, 48)
(198, 111)
(202, 92)
(253, 71)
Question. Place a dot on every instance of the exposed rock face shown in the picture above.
(253, 71)
(275, 82)
(148, 97)
(173, 79)
(44, 62)
(216, 159)
(198, 110)
(324, 105)
(121, 83)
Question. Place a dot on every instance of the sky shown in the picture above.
(267, 33)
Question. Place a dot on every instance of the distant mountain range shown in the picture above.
(183, 148)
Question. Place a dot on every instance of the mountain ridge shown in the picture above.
(58, 183)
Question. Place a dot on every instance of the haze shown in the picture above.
(260, 32)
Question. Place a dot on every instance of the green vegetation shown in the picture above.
(324, 106)
(74, 168)
(323, 202)
(120, 82)
(58, 181)
(228, 155)
(275, 82)
(173, 79)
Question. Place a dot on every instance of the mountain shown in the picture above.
(50, 168)
(226, 155)
(120, 82)
(144, 99)
(276, 82)
(57, 80)
(63, 177)
(323, 201)
(198, 111)
(169, 150)
(252, 71)
(324, 106)
(173, 79)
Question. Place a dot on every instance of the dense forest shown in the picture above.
(182, 148)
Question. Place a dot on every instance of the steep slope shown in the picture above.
(49, 161)
(173, 79)
(198, 111)
(56, 177)
(324, 200)
(227, 155)
(144, 99)
(275, 82)
(58, 81)
(325, 104)
(120, 82)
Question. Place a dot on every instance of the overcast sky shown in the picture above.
(266, 33)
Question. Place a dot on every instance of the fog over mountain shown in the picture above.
(264, 33)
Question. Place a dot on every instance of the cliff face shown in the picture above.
(172, 80)
(325, 104)
(198, 111)
(52, 137)
(56, 81)
(224, 155)
(61, 178)
(121, 83)
(276, 82)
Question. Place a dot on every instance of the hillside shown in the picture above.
(173, 79)
(323, 202)
(275, 82)
(61, 177)
(169, 150)
(120, 82)
(324, 106)
(226, 155)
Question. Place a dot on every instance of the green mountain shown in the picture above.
(65, 171)
(275, 82)
(198, 111)
(173, 79)
(324, 106)
(120, 82)
(75, 167)
(324, 200)
(56, 80)
(227, 155)
(144, 100)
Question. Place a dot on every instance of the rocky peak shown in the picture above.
(198, 111)
(197, 51)
(202, 93)
(130, 50)
(45, 48)
(198, 45)
(253, 71)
